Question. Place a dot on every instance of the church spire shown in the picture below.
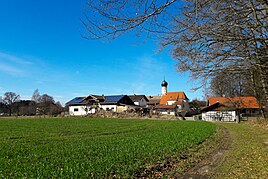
(164, 87)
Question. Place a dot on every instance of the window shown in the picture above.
(75, 109)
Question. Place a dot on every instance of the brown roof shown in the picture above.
(137, 97)
(97, 97)
(153, 99)
(238, 102)
(172, 96)
(216, 106)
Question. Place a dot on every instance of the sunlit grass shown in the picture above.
(82, 147)
(248, 154)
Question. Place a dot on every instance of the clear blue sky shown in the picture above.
(41, 48)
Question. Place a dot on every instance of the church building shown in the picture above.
(172, 103)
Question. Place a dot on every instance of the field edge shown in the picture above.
(198, 161)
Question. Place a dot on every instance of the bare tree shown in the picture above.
(9, 99)
(3, 109)
(36, 96)
(231, 84)
(45, 103)
(56, 108)
(205, 36)
(197, 104)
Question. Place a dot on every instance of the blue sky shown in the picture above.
(41, 48)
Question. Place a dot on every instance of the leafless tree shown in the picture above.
(24, 107)
(197, 104)
(3, 109)
(56, 108)
(205, 36)
(231, 84)
(45, 104)
(9, 99)
(36, 96)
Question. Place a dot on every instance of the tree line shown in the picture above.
(43, 104)
(210, 39)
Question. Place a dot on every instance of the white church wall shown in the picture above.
(164, 90)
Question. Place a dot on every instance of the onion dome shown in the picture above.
(164, 83)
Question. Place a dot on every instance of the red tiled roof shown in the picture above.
(172, 96)
(179, 102)
(238, 102)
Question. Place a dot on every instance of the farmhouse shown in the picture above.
(230, 109)
(172, 103)
(83, 105)
(90, 104)
(116, 103)
(139, 100)
(153, 101)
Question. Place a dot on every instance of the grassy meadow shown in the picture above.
(97, 148)
(249, 155)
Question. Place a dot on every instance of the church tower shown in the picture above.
(164, 87)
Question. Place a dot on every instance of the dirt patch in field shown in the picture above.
(206, 168)
(199, 161)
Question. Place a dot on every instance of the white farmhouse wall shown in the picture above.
(124, 108)
(137, 103)
(109, 107)
(81, 110)
(172, 113)
(141, 102)
(219, 116)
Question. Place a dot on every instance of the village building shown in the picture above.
(153, 101)
(172, 103)
(116, 103)
(230, 109)
(91, 104)
(139, 100)
(169, 103)
(81, 106)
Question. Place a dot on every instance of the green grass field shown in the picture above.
(84, 147)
